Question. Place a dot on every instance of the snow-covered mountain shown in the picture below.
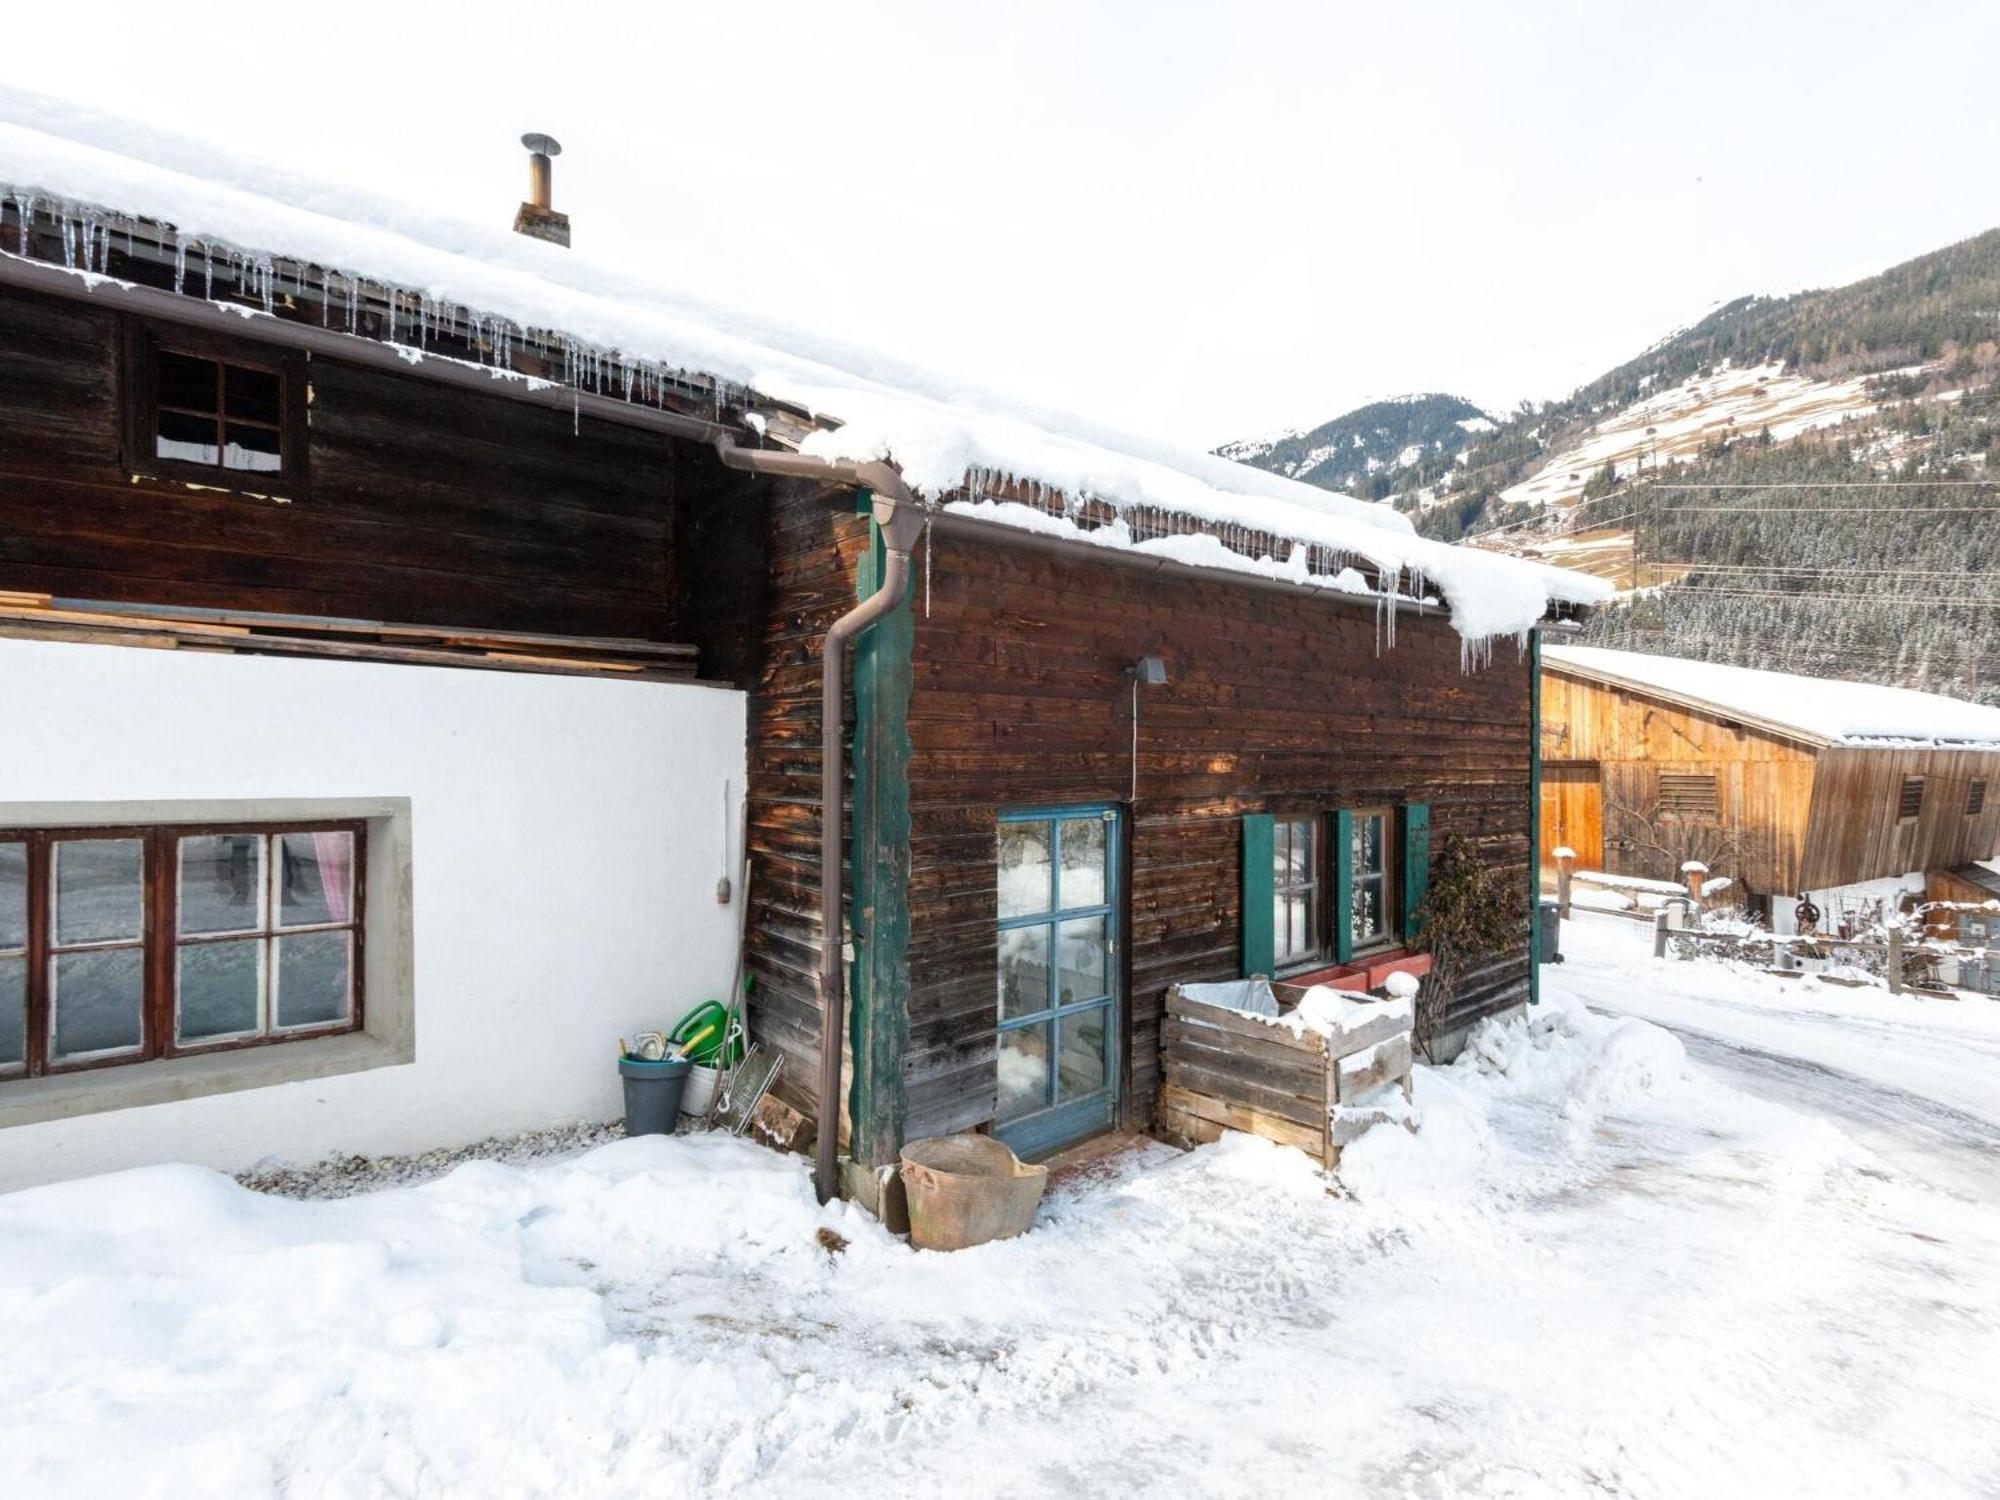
(1375, 450)
(1809, 482)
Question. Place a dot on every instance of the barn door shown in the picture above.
(1058, 976)
(1573, 812)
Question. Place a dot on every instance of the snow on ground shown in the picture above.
(1946, 1051)
(1595, 1271)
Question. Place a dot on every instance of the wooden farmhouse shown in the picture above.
(400, 641)
(1784, 784)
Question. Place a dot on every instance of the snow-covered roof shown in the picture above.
(955, 444)
(1823, 710)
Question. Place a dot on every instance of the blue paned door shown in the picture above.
(1058, 976)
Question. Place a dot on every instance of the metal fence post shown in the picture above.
(1660, 933)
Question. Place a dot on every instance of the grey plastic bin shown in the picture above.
(1549, 933)
(652, 1094)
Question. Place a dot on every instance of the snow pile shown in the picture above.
(1841, 713)
(945, 434)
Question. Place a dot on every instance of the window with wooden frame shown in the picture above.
(1910, 800)
(1295, 885)
(1688, 794)
(122, 945)
(212, 410)
(1975, 797)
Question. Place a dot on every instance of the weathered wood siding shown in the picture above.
(1763, 783)
(1805, 818)
(1276, 701)
(1855, 833)
(425, 504)
(770, 567)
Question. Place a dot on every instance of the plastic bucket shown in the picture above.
(652, 1094)
(967, 1189)
(700, 1090)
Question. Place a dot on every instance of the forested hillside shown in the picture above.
(1804, 482)
(1374, 450)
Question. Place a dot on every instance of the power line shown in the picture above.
(1697, 566)
(1968, 601)
(1838, 484)
(1835, 510)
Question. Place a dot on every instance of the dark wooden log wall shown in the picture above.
(769, 567)
(425, 504)
(1276, 701)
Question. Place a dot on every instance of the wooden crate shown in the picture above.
(1225, 1070)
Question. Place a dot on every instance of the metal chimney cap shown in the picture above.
(542, 145)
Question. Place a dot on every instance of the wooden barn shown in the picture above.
(1102, 720)
(1782, 783)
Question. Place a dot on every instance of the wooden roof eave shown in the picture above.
(1773, 727)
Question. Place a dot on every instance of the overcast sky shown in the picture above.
(1198, 221)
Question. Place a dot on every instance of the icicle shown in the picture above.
(208, 274)
(180, 264)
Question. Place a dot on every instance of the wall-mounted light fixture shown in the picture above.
(1152, 672)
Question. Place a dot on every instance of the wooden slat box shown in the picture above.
(1312, 1087)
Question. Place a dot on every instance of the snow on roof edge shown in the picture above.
(1831, 711)
(936, 430)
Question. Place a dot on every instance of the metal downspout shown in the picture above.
(901, 521)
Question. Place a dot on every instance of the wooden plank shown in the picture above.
(1389, 1062)
(1221, 1114)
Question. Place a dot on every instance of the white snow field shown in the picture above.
(1596, 1271)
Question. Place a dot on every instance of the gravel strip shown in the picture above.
(344, 1176)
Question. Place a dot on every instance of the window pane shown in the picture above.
(96, 1000)
(220, 987)
(1296, 853)
(1294, 922)
(1024, 868)
(1367, 908)
(252, 393)
(316, 878)
(187, 381)
(222, 883)
(1080, 960)
(1080, 1053)
(254, 449)
(13, 896)
(1082, 863)
(13, 1011)
(1024, 971)
(312, 979)
(97, 890)
(189, 439)
(1024, 1071)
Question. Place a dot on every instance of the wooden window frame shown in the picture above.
(140, 398)
(1390, 935)
(1313, 887)
(160, 941)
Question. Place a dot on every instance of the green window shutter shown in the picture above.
(1415, 842)
(1343, 886)
(1258, 895)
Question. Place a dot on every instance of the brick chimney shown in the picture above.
(537, 217)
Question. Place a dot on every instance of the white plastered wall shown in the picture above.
(565, 836)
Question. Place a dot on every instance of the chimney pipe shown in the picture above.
(537, 217)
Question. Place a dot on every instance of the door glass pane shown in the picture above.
(13, 1011)
(222, 881)
(220, 987)
(1024, 971)
(1024, 1070)
(315, 878)
(1083, 852)
(97, 890)
(96, 998)
(1024, 869)
(1080, 960)
(1081, 1053)
(13, 896)
(312, 979)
